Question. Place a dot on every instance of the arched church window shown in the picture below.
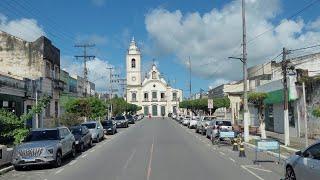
(133, 63)
(134, 96)
(154, 75)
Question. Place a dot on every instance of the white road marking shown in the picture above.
(150, 160)
(129, 159)
(73, 162)
(256, 168)
(59, 171)
(232, 160)
(208, 144)
(260, 178)
(92, 150)
(84, 155)
(222, 153)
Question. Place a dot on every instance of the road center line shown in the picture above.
(252, 172)
(150, 160)
(222, 153)
(232, 160)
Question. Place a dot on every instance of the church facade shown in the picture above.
(152, 93)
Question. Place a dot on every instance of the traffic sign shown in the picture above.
(210, 103)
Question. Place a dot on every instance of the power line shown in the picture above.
(309, 47)
(85, 59)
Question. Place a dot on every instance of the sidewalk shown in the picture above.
(295, 142)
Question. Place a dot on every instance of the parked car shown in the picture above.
(193, 122)
(95, 129)
(83, 137)
(121, 121)
(109, 126)
(130, 119)
(174, 116)
(44, 146)
(186, 120)
(215, 125)
(304, 164)
(203, 124)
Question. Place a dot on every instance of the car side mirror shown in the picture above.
(298, 153)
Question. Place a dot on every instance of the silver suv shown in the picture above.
(44, 146)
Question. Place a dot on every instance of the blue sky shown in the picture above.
(110, 24)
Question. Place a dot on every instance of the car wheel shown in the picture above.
(57, 162)
(116, 131)
(98, 140)
(290, 175)
(90, 143)
(18, 168)
(197, 131)
(73, 151)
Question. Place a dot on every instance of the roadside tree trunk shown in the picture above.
(262, 123)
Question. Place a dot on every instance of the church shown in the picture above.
(152, 93)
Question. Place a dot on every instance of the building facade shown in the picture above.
(152, 93)
(38, 61)
(268, 78)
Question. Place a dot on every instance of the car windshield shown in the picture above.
(106, 123)
(89, 125)
(119, 118)
(224, 123)
(42, 135)
(76, 130)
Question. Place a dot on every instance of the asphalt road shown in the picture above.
(153, 149)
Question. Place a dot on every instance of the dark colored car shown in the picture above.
(82, 136)
(109, 127)
(130, 119)
(121, 122)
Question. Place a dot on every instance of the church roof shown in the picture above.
(133, 48)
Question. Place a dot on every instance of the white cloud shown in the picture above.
(26, 29)
(212, 37)
(97, 70)
(99, 3)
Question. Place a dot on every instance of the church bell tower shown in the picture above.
(133, 65)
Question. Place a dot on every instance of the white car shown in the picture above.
(193, 122)
(96, 130)
(186, 120)
(304, 164)
(203, 124)
(214, 125)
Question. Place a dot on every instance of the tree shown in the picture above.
(70, 119)
(202, 104)
(91, 107)
(258, 100)
(12, 126)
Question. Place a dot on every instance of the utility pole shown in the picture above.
(190, 88)
(284, 66)
(85, 59)
(305, 114)
(245, 74)
(110, 93)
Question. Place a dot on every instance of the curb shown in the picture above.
(6, 169)
(283, 157)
